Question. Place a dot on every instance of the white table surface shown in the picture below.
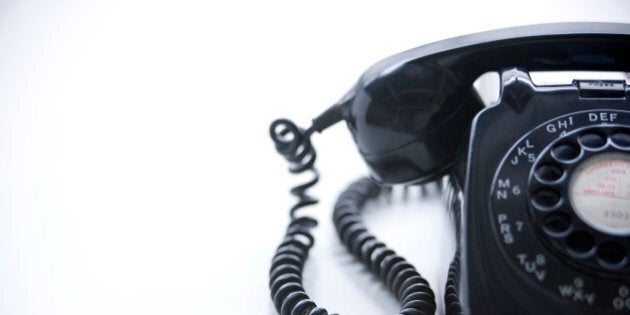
(136, 173)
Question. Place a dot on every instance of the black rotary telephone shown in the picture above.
(540, 179)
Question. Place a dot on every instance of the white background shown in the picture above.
(136, 173)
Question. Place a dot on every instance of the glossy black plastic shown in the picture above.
(526, 273)
(408, 114)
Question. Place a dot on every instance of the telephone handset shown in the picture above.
(542, 175)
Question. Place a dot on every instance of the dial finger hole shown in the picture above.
(549, 173)
(611, 255)
(581, 244)
(593, 140)
(621, 138)
(566, 152)
(546, 199)
(557, 224)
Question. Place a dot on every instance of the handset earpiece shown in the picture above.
(409, 122)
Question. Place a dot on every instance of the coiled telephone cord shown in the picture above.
(451, 294)
(285, 275)
(287, 290)
(402, 279)
(452, 299)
